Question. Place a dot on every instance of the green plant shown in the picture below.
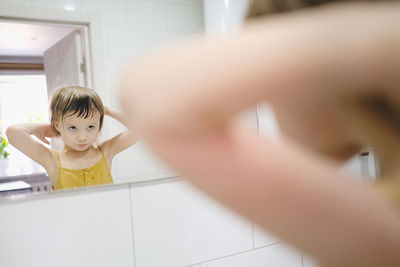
(3, 145)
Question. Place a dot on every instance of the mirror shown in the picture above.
(86, 45)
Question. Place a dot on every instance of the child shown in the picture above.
(331, 75)
(77, 117)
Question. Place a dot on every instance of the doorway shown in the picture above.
(35, 59)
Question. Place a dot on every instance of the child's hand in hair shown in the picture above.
(106, 110)
(44, 131)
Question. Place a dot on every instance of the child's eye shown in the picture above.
(91, 127)
(72, 128)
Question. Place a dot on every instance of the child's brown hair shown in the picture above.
(73, 100)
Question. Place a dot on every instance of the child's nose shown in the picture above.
(81, 136)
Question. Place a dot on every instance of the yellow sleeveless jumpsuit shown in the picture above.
(97, 174)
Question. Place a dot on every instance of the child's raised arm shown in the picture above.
(19, 135)
(121, 141)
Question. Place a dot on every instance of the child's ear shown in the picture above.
(56, 126)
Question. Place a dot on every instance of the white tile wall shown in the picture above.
(147, 15)
(274, 256)
(61, 4)
(186, 2)
(263, 238)
(114, 66)
(16, 2)
(87, 229)
(175, 225)
(162, 39)
(138, 164)
(190, 14)
(113, 13)
(156, 224)
(126, 42)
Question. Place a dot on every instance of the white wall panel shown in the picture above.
(76, 5)
(17, 2)
(85, 229)
(191, 15)
(277, 255)
(175, 225)
(147, 15)
(113, 13)
(263, 237)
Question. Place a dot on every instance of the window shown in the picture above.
(23, 98)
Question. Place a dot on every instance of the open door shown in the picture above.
(64, 65)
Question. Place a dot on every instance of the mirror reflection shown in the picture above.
(37, 58)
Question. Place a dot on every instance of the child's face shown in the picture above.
(79, 133)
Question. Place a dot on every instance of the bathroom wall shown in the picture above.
(164, 224)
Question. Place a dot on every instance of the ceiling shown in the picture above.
(24, 39)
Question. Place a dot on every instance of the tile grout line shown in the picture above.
(132, 228)
(234, 254)
(252, 233)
